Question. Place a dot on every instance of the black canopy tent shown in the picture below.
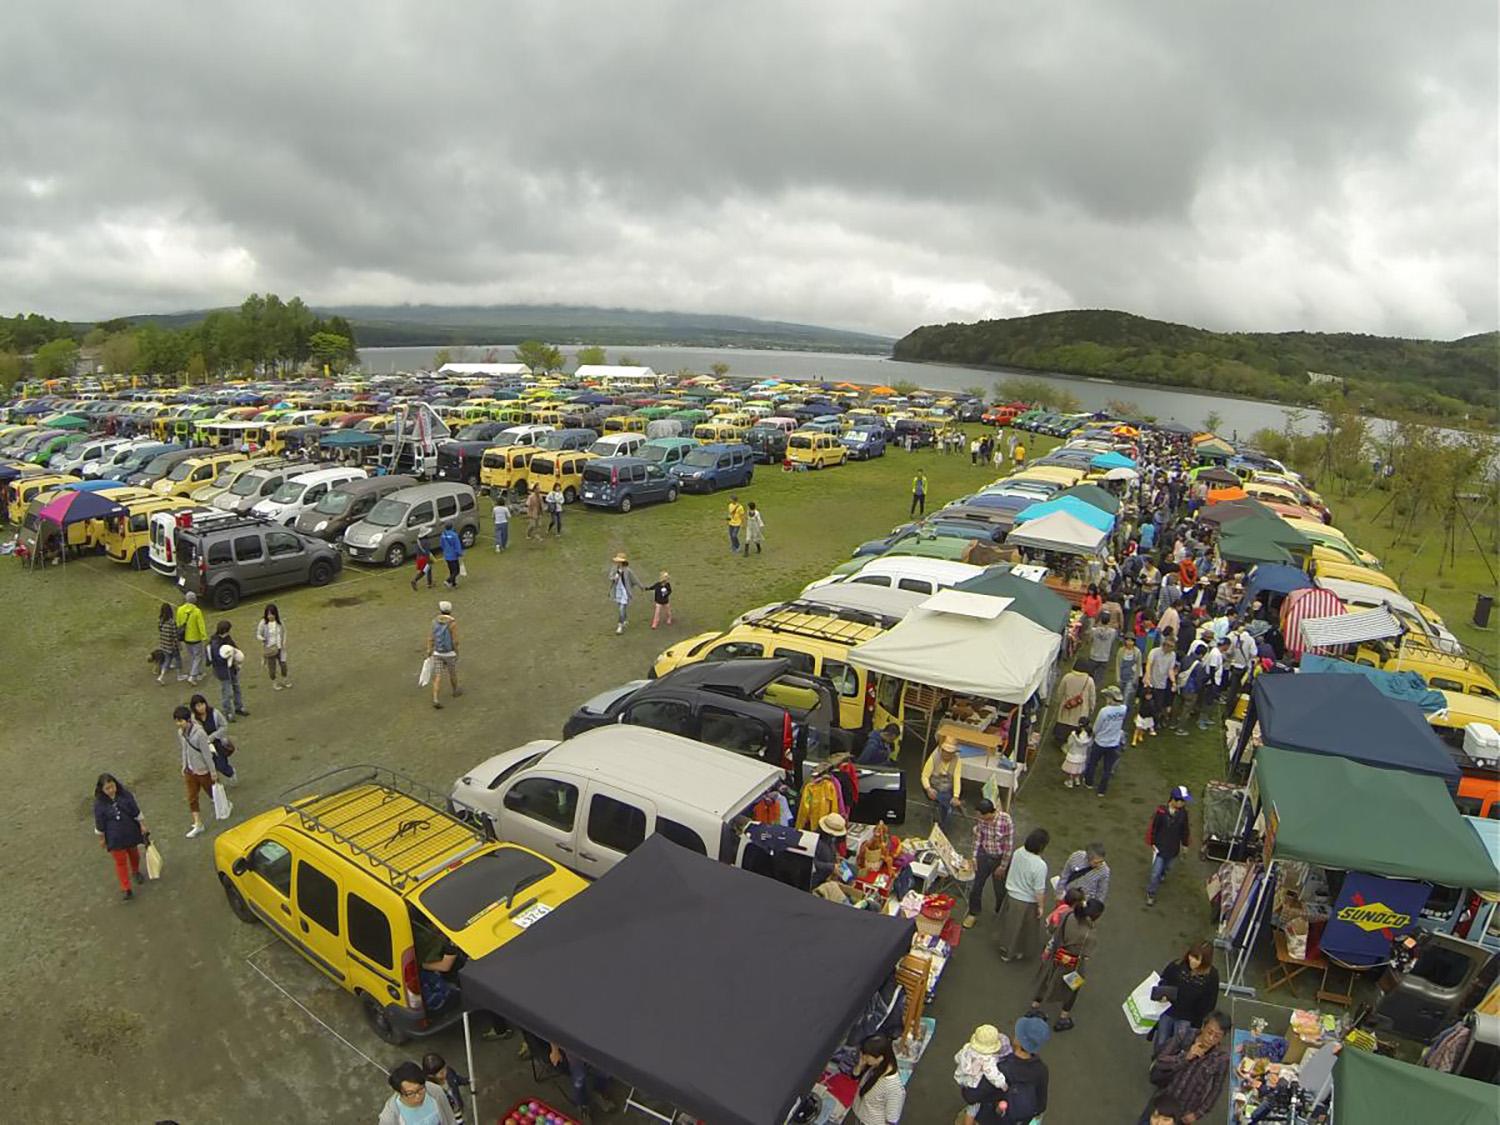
(666, 974)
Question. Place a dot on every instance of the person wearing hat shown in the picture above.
(832, 828)
(442, 650)
(622, 584)
(942, 780)
(977, 1061)
(1024, 1096)
(1109, 741)
(1167, 834)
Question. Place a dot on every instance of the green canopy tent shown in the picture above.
(1251, 546)
(1031, 600)
(1370, 1089)
(1100, 498)
(68, 422)
(1336, 813)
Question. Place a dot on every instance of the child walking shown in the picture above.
(441, 1074)
(1076, 755)
(976, 1061)
(661, 595)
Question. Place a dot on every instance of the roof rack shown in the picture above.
(352, 816)
(214, 521)
(845, 626)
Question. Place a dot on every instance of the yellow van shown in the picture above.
(625, 424)
(815, 449)
(1443, 671)
(708, 433)
(815, 644)
(563, 467)
(1345, 571)
(367, 877)
(127, 538)
(23, 490)
(1052, 474)
(195, 473)
(504, 467)
(737, 418)
(544, 416)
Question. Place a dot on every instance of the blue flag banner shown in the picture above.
(1371, 912)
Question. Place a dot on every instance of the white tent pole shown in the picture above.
(469, 1057)
(1236, 984)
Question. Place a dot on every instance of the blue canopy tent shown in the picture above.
(1273, 578)
(1078, 509)
(92, 485)
(1409, 687)
(1346, 717)
(1112, 460)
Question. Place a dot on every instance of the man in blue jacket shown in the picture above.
(453, 551)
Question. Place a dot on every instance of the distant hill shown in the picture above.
(451, 325)
(1453, 380)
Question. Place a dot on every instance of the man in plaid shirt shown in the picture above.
(994, 840)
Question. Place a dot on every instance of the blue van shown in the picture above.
(864, 442)
(624, 482)
(714, 466)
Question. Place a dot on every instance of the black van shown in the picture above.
(347, 504)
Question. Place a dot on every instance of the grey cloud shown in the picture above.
(868, 165)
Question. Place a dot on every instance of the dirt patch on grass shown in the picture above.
(346, 601)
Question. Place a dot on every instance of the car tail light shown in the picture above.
(787, 739)
(168, 543)
(411, 980)
(869, 700)
(184, 519)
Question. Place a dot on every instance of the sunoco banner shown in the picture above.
(1371, 912)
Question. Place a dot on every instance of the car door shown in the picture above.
(614, 824)
(286, 561)
(267, 887)
(420, 521)
(656, 484)
(315, 912)
(540, 811)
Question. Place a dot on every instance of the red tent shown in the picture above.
(1301, 604)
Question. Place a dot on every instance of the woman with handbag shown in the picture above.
(272, 636)
(1065, 961)
(217, 729)
(121, 830)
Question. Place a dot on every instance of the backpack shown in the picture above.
(1161, 811)
(442, 637)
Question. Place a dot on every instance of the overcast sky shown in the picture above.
(865, 165)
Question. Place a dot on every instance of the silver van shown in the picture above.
(388, 533)
(586, 803)
(250, 488)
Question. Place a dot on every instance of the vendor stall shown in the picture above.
(970, 660)
(1371, 1090)
(704, 950)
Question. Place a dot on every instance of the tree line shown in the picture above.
(1449, 380)
(263, 336)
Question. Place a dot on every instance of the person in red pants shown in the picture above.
(121, 830)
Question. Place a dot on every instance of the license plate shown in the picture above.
(588, 495)
(532, 914)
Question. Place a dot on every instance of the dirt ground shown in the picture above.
(169, 1008)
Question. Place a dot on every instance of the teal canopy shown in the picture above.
(1078, 509)
(1112, 461)
(1101, 498)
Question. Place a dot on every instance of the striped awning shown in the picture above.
(1349, 628)
(1305, 605)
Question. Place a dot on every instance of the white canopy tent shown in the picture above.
(1006, 658)
(484, 369)
(1061, 532)
(613, 372)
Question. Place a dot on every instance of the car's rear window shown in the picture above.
(459, 898)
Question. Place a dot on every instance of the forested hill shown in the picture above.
(1447, 379)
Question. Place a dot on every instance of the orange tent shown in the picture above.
(846, 386)
(882, 390)
(1219, 495)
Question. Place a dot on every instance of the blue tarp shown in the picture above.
(1409, 687)
(1274, 578)
(92, 485)
(1112, 461)
(1348, 717)
(1079, 509)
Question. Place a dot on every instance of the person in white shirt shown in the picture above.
(881, 1095)
(1214, 671)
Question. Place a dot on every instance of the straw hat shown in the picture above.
(621, 558)
(986, 1039)
(445, 607)
(1114, 693)
(833, 825)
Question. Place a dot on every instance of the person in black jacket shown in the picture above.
(1192, 986)
(1025, 1075)
(1167, 836)
(121, 830)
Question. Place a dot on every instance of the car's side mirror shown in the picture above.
(240, 866)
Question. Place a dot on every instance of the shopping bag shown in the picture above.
(153, 860)
(463, 569)
(424, 677)
(1142, 1012)
(1296, 939)
(222, 805)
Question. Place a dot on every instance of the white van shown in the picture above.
(301, 492)
(588, 802)
(75, 457)
(905, 572)
(99, 468)
(618, 445)
(521, 435)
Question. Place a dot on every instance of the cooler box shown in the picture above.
(1482, 742)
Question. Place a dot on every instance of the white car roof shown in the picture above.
(319, 476)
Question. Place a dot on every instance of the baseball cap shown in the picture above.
(1181, 794)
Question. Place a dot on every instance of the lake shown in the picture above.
(1240, 417)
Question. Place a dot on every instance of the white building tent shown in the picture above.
(1061, 532)
(484, 369)
(1006, 657)
(613, 372)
